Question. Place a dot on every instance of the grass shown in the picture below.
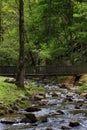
(2, 78)
(33, 88)
(10, 93)
(82, 88)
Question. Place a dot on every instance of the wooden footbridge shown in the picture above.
(46, 70)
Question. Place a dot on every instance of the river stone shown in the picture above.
(77, 106)
(54, 94)
(7, 121)
(32, 109)
(63, 86)
(65, 127)
(49, 128)
(59, 112)
(38, 129)
(30, 118)
(10, 80)
(43, 101)
(42, 118)
(70, 95)
(68, 99)
(38, 97)
(83, 95)
(74, 123)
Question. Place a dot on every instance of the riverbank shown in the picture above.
(44, 107)
(13, 98)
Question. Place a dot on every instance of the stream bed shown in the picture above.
(60, 108)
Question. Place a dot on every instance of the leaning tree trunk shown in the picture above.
(21, 70)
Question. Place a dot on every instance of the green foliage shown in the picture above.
(52, 31)
(82, 88)
(32, 88)
(10, 93)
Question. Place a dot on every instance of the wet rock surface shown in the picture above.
(61, 108)
(32, 109)
(74, 123)
(30, 118)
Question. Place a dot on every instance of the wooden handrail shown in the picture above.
(46, 70)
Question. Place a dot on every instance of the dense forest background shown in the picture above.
(55, 32)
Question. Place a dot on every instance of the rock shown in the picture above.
(38, 97)
(54, 94)
(7, 121)
(70, 95)
(41, 94)
(38, 129)
(43, 101)
(74, 123)
(77, 107)
(59, 112)
(10, 80)
(49, 128)
(65, 127)
(30, 118)
(10, 111)
(42, 118)
(64, 86)
(68, 99)
(84, 95)
(1, 102)
(32, 109)
(80, 101)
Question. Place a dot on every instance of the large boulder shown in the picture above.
(29, 118)
(32, 118)
(10, 80)
(74, 123)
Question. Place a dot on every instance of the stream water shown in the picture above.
(62, 106)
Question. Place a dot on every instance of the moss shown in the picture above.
(82, 88)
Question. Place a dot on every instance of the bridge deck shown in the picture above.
(45, 70)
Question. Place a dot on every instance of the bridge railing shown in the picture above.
(5, 70)
(46, 70)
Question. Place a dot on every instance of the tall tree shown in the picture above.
(0, 21)
(20, 72)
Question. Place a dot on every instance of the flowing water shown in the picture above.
(61, 107)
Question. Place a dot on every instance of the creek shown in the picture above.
(61, 106)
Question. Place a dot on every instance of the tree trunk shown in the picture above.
(0, 22)
(21, 70)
